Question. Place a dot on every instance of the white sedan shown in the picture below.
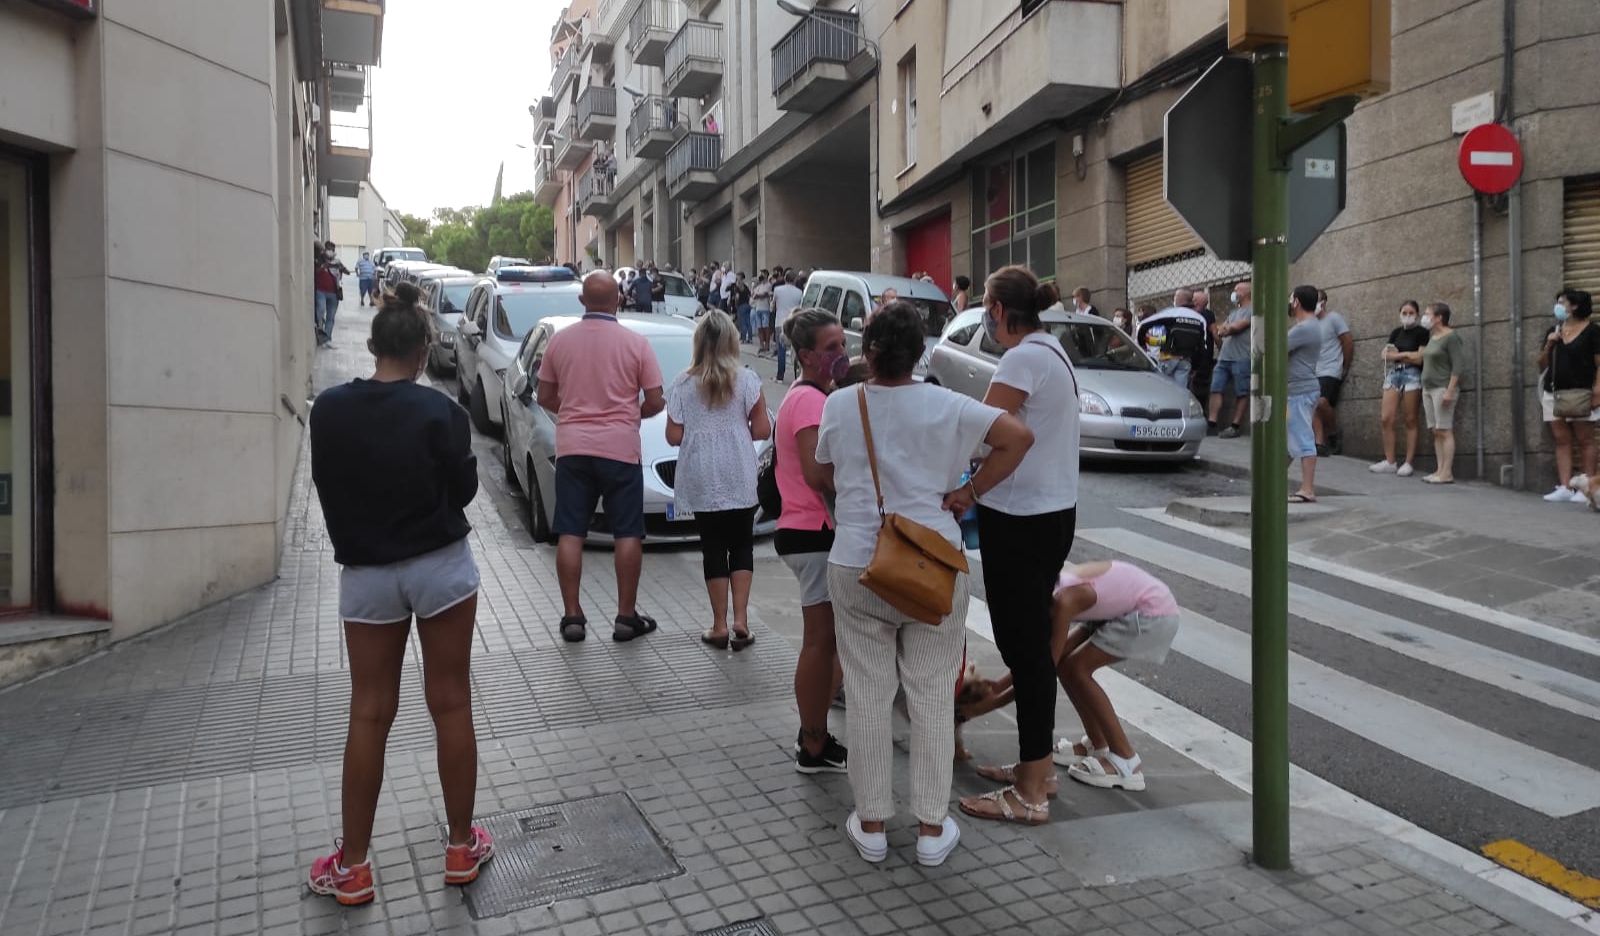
(498, 314)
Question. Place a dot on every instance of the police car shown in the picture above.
(498, 313)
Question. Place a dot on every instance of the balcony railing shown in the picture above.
(824, 36)
(597, 101)
(651, 114)
(564, 68)
(651, 27)
(697, 152)
(349, 110)
(693, 62)
(594, 183)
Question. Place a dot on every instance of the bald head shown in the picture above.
(600, 293)
(1202, 299)
(1243, 292)
(1183, 298)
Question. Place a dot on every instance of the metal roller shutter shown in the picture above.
(1580, 241)
(1154, 230)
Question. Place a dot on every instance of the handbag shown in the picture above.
(913, 567)
(1570, 404)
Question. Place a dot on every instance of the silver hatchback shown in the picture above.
(1129, 410)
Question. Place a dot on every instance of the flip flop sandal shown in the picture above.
(714, 639)
(1066, 753)
(1007, 774)
(742, 640)
(1298, 498)
(1032, 813)
(574, 629)
(627, 628)
(1094, 773)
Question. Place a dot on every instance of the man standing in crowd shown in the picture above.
(366, 271)
(326, 283)
(1305, 347)
(739, 301)
(1175, 336)
(1206, 361)
(1338, 349)
(641, 297)
(786, 298)
(761, 309)
(1233, 363)
(1080, 302)
(592, 376)
(658, 288)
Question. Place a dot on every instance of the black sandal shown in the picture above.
(714, 639)
(630, 627)
(741, 639)
(574, 629)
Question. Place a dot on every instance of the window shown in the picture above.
(854, 308)
(813, 290)
(830, 299)
(1014, 212)
(908, 107)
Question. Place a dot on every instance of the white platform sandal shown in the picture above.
(1126, 775)
(1066, 753)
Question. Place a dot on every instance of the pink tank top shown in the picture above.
(1121, 590)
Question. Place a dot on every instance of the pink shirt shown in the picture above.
(1122, 590)
(803, 508)
(599, 368)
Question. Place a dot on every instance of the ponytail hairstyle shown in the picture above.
(402, 328)
(716, 361)
(1021, 296)
(800, 330)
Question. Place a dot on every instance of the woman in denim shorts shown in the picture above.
(394, 470)
(1402, 388)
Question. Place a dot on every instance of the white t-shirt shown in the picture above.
(1047, 479)
(717, 460)
(786, 298)
(924, 435)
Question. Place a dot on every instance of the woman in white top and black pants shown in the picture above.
(1025, 528)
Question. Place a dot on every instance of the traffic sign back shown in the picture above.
(1490, 159)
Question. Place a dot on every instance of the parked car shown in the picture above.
(1129, 410)
(529, 447)
(498, 314)
(497, 261)
(851, 296)
(388, 255)
(680, 300)
(407, 271)
(445, 293)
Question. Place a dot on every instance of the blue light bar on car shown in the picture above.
(535, 274)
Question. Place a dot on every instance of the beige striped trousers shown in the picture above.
(881, 651)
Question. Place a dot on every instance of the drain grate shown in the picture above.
(757, 927)
(572, 849)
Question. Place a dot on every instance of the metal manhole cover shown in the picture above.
(761, 927)
(572, 849)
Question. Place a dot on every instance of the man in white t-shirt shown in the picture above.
(785, 299)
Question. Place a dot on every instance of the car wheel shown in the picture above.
(505, 448)
(538, 521)
(480, 410)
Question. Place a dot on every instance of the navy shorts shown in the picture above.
(586, 481)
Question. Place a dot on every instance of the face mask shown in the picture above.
(991, 327)
(1408, 320)
(1233, 297)
(1427, 322)
(1561, 312)
(1120, 322)
(833, 365)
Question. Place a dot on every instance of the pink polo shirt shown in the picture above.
(599, 368)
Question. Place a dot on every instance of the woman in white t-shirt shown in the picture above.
(1025, 527)
(924, 437)
(714, 410)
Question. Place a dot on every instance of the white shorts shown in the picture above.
(1436, 412)
(811, 569)
(425, 586)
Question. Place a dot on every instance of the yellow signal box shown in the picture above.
(1337, 48)
(1253, 23)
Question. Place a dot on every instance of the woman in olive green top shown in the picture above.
(1444, 360)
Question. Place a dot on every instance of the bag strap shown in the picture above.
(1056, 347)
(872, 452)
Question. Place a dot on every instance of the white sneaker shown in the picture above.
(1383, 467)
(872, 846)
(932, 850)
(1578, 497)
(1559, 495)
(1405, 471)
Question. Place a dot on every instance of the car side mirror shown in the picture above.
(522, 389)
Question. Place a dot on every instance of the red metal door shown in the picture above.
(928, 250)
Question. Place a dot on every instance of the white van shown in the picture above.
(851, 295)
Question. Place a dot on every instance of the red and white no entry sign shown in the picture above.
(1490, 159)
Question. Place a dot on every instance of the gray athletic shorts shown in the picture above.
(812, 570)
(424, 585)
(1142, 637)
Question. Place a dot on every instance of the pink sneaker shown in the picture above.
(461, 862)
(352, 886)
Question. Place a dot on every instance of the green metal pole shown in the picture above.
(1269, 556)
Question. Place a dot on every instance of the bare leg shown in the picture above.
(1583, 430)
(1444, 443)
(1320, 422)
(1411, 404)
(1562, 433)
(1308, 476)
(717, 591)
(569, 573)
(447, 684)
(1240, 406)
(1096, 704)
(1391, 406)
(814, 683)
(377, 656)
(1215, 409)
(629, 559)
(741, 601)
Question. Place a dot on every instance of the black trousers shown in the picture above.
(1022, 559)
(727, 541)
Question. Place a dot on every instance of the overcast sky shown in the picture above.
(451, 99)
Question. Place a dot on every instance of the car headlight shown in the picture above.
(1195, 409)
(1093, 404)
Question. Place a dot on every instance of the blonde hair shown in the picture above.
(716, 362)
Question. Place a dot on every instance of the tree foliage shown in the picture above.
(467, 237)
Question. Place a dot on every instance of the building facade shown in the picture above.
(362, 224)
(956, 136)
(162, 184)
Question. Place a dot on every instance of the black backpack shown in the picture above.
(767, 493)
(1185, 337)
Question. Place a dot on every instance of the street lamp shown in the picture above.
(810, 13)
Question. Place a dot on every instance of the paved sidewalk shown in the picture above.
(1486, 544)
(182, 782)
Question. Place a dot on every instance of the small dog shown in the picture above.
(973, 697)
(1589, 487)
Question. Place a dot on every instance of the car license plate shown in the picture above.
(1157, 432)
(673, 513)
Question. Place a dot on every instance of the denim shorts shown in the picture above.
(1302, 437)
(1403, 377)
(1236, 371)
(584, 482)
(426, 586)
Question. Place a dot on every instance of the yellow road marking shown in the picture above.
(1546, 870)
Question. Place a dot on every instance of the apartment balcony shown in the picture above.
(565, 68)
(653, 127)
(570, 149)
(693, 62)
(546, 184)
(352, 31)
(692, 165)
(818, 61)
(597, 113)
(345, 130)
(654, 24)
(544, 119)
(597, 41)
(596, 194)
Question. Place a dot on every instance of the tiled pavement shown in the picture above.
(183, 782)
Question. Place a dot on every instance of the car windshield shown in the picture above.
(674, 353)
(523, 310)
(676, 286)
(936, 314)
(454, 299)
(1099, 347)
(414, 254)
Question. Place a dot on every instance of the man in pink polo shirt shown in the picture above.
(591, 378)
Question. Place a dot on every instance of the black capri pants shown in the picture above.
(727, 541)
(1022, 559)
